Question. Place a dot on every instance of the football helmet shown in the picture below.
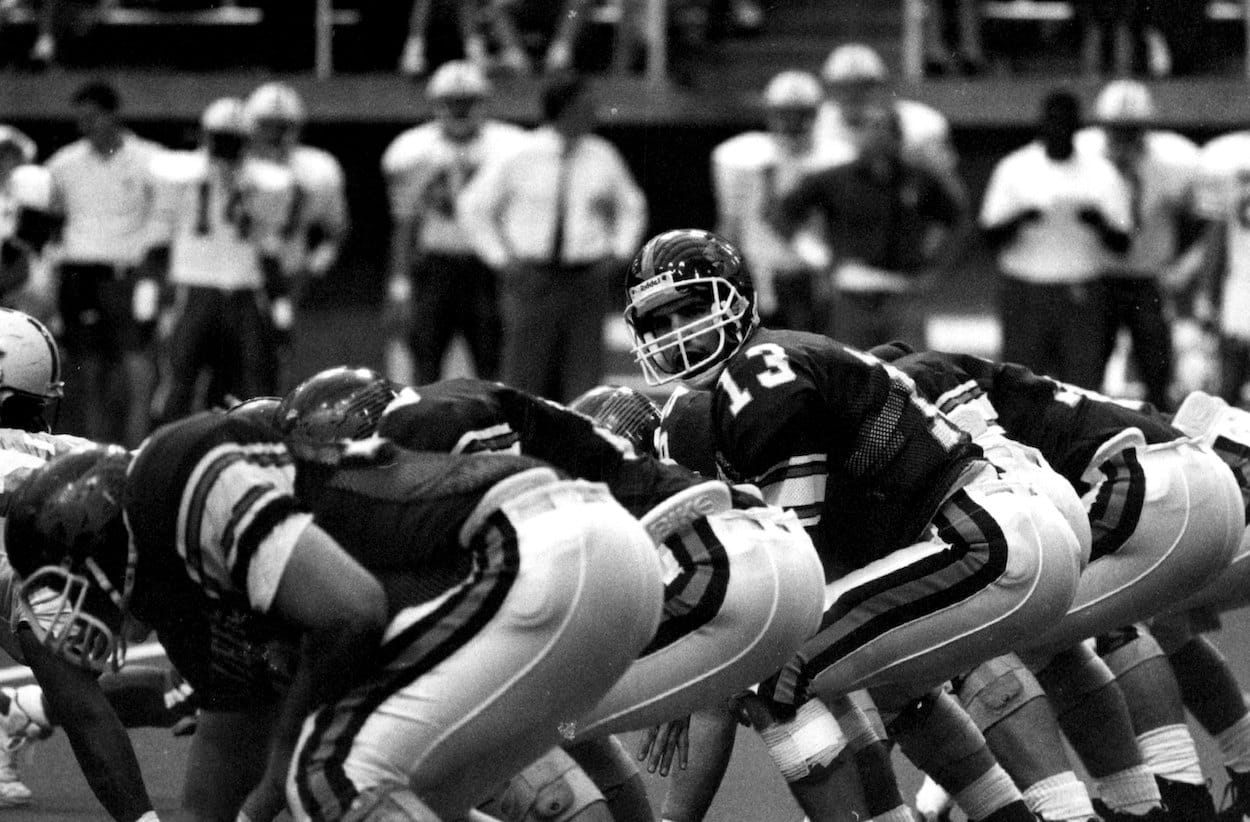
(1124, 102)
(262, 411)
(686, 431)
(623, 411)
(67, 539)
(853, 63)
(224, 128)
(30, 370)
(274, 101)
(457, 79)
(330, 409)
(691, 271)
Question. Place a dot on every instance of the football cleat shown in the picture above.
(13, 791)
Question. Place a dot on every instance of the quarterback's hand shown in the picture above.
(282, 316)
(663, 742)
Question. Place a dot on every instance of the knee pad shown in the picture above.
(810, 740)
(859, 719)
(1127, 648)
(1073, 674)
(996, 689)
(553, 789)
(392, 803)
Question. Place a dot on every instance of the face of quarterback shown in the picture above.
(685, 312)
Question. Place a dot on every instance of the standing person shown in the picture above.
(899, 503)
(216, 253)
(102, 188)
(438, 285)
(556, 219)
(894, 227)
(25, 196)
(1160, 169)
(750, 172)
(855, 79)
(317, 226)
(1055, 216)
(1223, 287)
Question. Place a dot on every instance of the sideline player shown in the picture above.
(438, 286)
(216, 252)
(845, 441)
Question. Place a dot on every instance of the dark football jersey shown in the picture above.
(202, 496)
(398, 512)
(840, 438)
(464, 416)
(1067, 424)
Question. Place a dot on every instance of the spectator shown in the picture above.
(25, 196)
(413, 61)
(217, 246)
(556, 219)
(1160, 169)
(894, 228)
(318, 223)
(1223, 287)
(102, 188)
(1121, 31)
(962, 18)
(550, 29)
(438, 285)
(1054, 215)
(855, 79)
(750, 172)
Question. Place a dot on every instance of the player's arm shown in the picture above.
(1005, 210)
(341, 609)
(101, 745)
(329, 224)
(793, 208)
(479, 208)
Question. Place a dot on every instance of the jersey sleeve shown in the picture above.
(225, 506)
(1000, 202)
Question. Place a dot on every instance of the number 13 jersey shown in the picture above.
(840, 438)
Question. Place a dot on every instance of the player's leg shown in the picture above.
(869, 747)
(481, 325)
(1166, 520)
(614, 772)
(1213, 697)
(181, 352)
(433, 316)
(748, 592)
(227, 757)
(1008, 705)
(692, 789)
(1096, 720)
(567, 594)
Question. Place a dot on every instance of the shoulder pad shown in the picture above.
(408, 148)
(314, 166)
(176, 167)
(921, 122)
(31, 186)
(750, 150)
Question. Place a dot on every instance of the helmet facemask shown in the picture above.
(680, 352)
(58, 605)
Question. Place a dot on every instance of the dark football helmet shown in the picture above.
(623, 411)
(263, 411)
(686, 431)
(697, 273)
(66, 538)
(329, 409)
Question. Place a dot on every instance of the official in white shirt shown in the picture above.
(557, 219)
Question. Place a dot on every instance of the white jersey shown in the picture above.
(1163, 191)
(1059, 248)
(321, 203)
(750, 173)
(218, 221)
(425, 173)
(926, 136)
(27, 187)
(1224, 196)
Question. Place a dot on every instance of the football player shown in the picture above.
(201, 536)
(218, 238)
(25, 196)
(1164, 522)
(727, 558)
(30, 386)
(318, 222)
(438, 286)
(932, 561)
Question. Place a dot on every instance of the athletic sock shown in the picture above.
(990, 792)
(1234, 742)
(1132, 790)
(1170, 752)
(1060, 798)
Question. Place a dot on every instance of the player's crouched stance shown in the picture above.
(563, 593)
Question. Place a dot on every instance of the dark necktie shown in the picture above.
(562, 184)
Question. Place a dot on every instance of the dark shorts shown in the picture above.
(94, 301)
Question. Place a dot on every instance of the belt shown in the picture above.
(116, 271)
(531, 493)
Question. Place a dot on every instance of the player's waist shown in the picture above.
(529, 494)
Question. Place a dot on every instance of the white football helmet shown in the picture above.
(224, 115)
(274, 101)
(1124, 102)
(457, 79)
(30, 363)
(854, 63)
(792, 90)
